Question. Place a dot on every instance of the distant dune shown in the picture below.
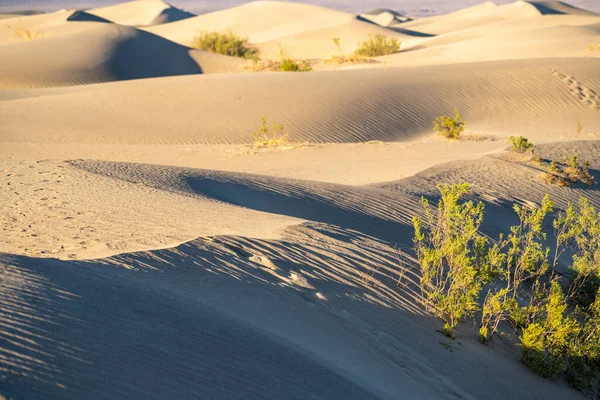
(141, 13)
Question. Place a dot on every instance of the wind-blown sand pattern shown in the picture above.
(148, 250)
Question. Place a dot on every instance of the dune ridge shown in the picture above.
(141, 13)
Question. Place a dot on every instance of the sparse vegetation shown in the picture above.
(520, 144)
(346, 59)
(561, 174)
(378, 45)
(225, 43)
(268, 136)
(449, 127)
(558, 332)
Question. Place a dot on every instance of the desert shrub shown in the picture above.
(289, 65)
(378, 45)
(577, 173)
(559, 334)
(583, 371)
(445, 249)
(554, 175)
(545, 344)
(449, 127)
(520, 257)
(225, 43)
(586, 177)
(270, 136)
(579, 230)
(561, 174)
(520, 144)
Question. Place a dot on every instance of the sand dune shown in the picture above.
(279, 295)
(338, 106)
(304, 31)
(105, 52)
(490, 13)
(385, 17)
(141, 13)
(148, 250)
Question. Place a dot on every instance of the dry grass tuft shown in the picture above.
(25, 33)
(270, 136)
(378, 45)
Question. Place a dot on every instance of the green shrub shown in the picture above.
(378, 45)
(520, 144)
(449, 282)
(449, 127)
(545, 344)
(579, 229)
(289, 65)
(225, 43)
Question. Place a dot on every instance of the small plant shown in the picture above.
(25, 33)
(289, 65)
(586, 177)
(572, 170)
(270, 136)
(578, 127)
(336, 41)
(378, 45)
(345, 59)
(554, 175)
(561, 174)
(520, 144)
(449, 127)
(225, 43)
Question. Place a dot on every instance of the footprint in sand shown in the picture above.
(580, 91)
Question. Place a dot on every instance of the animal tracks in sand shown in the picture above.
(579, 90)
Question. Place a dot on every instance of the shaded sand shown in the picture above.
(539, 98)
(147, 251)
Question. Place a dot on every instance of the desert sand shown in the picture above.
(149, 251)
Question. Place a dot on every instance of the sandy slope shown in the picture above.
(500, 98)
(319, 304)
(105, 52)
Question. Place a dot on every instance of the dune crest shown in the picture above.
(141, 13)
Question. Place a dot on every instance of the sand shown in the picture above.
(149, 251)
